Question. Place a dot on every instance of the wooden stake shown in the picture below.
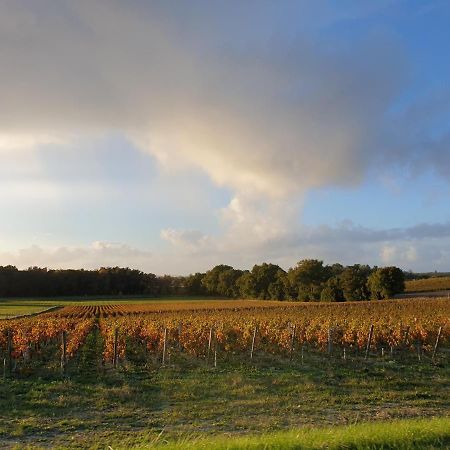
(164, 347)
(292, 342)
(405, 338)
(63, 352)
(437, 343)
(209, 343)
(369, 341)
(345, 354)
(303, 352)
(9, 352)
(180, 327)
(253, 343)
(116, 343)
(330, 340)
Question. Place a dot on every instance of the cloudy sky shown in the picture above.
(171, 136)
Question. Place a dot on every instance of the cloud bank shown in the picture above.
(267, 101)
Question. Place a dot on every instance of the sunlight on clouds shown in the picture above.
(267, 112)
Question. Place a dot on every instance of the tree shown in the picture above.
(307, 278)
(386, 282)
(277, 288)
(193, 284)
(267, 280)
(226, 284)
(354, 282)
(332, 291)
(246, 284)
(211, 279)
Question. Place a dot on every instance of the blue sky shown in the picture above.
(172, 137)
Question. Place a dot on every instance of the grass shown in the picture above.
(398, 434)
(142, 404)
(11, 307)
(428, 284)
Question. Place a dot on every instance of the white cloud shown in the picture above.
(388, 254)
(266, 110)
(92, 256)
(262, 114)
(187, 239)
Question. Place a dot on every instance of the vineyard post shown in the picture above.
(436, 343)
(292, 342)
(164, 347)
(4, 368)
(405, 338)
(253, 343)
(303, 352)
(215, 353)
(369, 341)
(330, 340)
(419, 351)
(63, 352)
(209, 343)
(180, 327)
(9, 352)
(116, 339)
(345, 354)
(382, 352)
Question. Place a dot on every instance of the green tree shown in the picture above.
(354, 282)
(332, 291)
(193, 284)
(226, 284)
(246, 285)
(386, 282)
(307, 278)
(267, 281)
(211, 279)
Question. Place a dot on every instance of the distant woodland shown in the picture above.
(309, 280)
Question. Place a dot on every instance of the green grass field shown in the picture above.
(189, 404)
(13, 308)
(399, 434)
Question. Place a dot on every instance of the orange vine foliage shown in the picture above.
(189, 324)
(33, 331)
(233, 328)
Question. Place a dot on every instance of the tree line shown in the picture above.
(309, 280)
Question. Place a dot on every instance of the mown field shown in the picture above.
(193, 380)
(428, 284)
(11, 307)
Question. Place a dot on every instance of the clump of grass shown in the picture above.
(399, 434)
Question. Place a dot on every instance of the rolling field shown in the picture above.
(428, 284)
(228, 374)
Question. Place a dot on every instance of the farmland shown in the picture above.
(134, 371)
(428, 284)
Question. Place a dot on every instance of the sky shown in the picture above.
(172, 136)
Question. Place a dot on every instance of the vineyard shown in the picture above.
(236, 328)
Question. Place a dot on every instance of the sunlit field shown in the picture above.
(227, 374)
(428, 284)
(21, 306)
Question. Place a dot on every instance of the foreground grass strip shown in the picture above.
(399, 434)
